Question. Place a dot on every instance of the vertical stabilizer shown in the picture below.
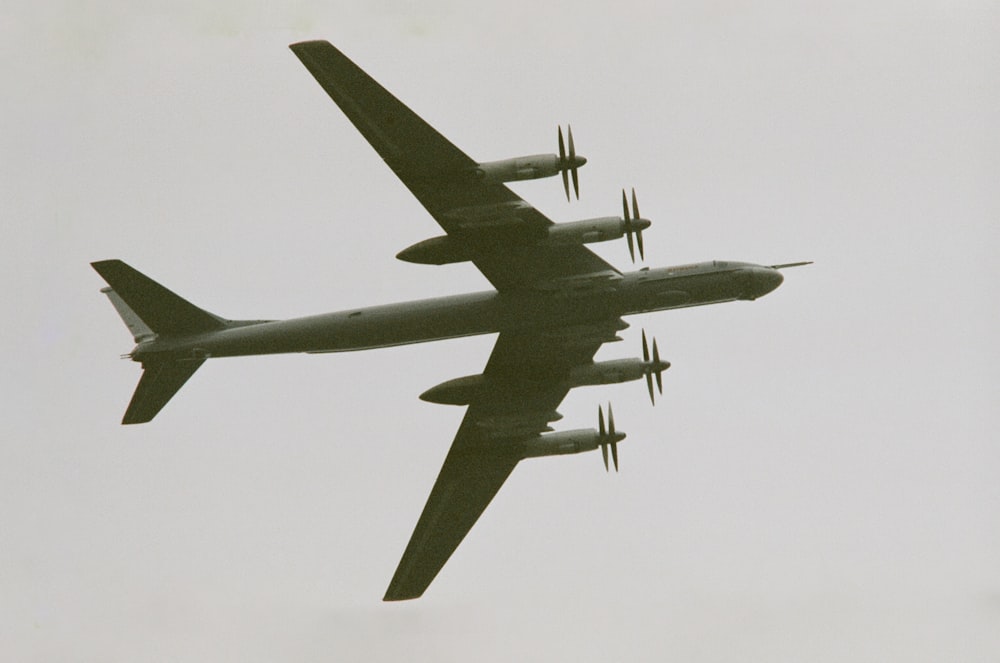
(140, 330)
(159, 309)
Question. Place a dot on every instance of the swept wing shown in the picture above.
(524, 377)
(444, 180)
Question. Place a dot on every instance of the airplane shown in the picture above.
(555, 303)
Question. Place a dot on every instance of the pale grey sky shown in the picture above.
(818, 483)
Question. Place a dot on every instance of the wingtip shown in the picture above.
(401, 590)
(107, 268)
(138, 415)
(300, 45)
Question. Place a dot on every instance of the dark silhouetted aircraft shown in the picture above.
(554, 304)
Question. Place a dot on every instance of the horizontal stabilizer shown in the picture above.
(158, 384)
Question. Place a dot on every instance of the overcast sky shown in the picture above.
(819, 481)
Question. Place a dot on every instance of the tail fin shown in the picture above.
(149, 310)
(161, 311)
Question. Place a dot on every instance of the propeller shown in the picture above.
(654, 367)
(608, 437)
(634, 225)
(569, 165)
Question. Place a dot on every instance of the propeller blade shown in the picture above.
(649, 373)
(611, 421)
(568, 164)
(628, 226)
(614, 454)
(635, 215)
(791, 264)
(659, 371)
(603, 436)
(562, 163)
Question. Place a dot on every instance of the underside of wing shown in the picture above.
(523, 386)
(472, 474)
(497, 230)
(401, 138)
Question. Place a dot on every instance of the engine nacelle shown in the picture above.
(604, 332)
(490, 226)
(601, 229)
(517, 424)
(475, 228)
(561, 443)
(460, 391)
(608, 372)
(464, 390)
(437, 251)
(519, 168)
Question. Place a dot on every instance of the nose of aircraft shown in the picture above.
(763, 280)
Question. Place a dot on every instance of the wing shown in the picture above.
(525, 386)
(444, 180)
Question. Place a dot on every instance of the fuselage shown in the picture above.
(581, 302)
